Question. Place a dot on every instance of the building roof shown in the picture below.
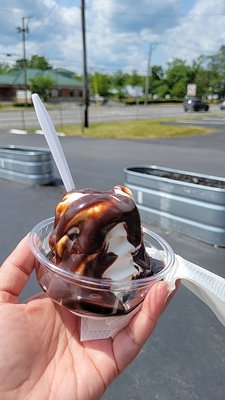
(16, 78)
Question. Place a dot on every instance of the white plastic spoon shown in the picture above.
(206, 285)
(55, 147)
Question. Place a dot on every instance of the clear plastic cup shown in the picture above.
(91, 297)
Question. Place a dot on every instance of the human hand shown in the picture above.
(41, 355)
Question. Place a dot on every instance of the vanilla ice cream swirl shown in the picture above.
(98, 234)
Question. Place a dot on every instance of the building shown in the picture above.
(66, 88)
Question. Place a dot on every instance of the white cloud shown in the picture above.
(201, 31)
(118, 32)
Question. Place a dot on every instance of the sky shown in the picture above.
(122, 35)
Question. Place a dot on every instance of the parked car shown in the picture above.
(195, 104)
(222, 105)
(97, 99)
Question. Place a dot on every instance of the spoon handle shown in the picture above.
(206, 285)
(53, 142)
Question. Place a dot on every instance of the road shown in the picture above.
(71, 114)
(185, 357)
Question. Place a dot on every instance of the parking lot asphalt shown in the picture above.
(185, 357)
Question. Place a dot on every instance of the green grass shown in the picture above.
(135, 129)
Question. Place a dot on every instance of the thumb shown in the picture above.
(15, 272)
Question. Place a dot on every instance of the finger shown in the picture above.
(15, 272)
(171, 293)
(142, 324)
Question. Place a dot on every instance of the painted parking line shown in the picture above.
(18, 131)
(202, 122)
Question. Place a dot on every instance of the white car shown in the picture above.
(222, 105)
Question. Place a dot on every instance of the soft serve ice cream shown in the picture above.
(98, 234)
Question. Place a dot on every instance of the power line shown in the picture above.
(150, 15)
(47, 17)
(6, 11)
(56, 21)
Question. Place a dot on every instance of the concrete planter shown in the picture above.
(191, 203)
(31, 165)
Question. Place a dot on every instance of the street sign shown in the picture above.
(191, 89)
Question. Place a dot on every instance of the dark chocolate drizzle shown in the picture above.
(83, 249)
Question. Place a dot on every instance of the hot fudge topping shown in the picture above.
(98, 234)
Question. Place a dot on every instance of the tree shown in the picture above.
(38, 62)
(19, 64)
(100, 84)
(179, 89)
(178, 76)
(35, 62)
(162, 89)
(202, 80)
(135, 79)
(216, 65)
(42, 86)
(157, 83)
(4, 68)
(119, 81)
(157, 73)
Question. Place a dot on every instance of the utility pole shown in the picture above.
(85, 80)
(24, 29)
(152, 46)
